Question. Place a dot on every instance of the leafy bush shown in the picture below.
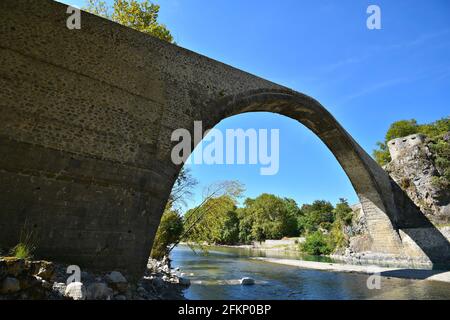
(316, 243)
(322, 215)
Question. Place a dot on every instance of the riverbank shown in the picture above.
(402, 273)
(22, 279)
(285, 245)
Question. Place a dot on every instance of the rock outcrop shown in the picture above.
(414, 169)
(26, 279)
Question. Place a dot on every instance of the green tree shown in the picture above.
(401, 129)
(343, 212)
(171, 226)
(293, 212)
(269, 217)
(230, 231)
(218, 223)
(343, 217)
(245, 223)
(214, 220)
(324, 226)
(169, 231)
(139, 15)
(317, 215)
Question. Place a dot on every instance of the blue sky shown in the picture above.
(366, 78)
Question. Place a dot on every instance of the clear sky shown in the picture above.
(366, 78)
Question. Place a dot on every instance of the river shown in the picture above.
(215, 276)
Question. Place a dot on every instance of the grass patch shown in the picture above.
(22, 251)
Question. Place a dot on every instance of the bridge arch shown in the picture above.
(371, 184)
(396, 225)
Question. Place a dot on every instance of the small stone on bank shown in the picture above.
(247, 281)
(9, 285)
(76, 291)
(184, 281)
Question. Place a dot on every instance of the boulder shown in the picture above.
(60, 288)
(99, 291)
(9, 285)
(40, 268)
(141, 291)
(11, 266)
(184, 281)
(76, 291)
(117, 281)
(247, 281)
(158, 282)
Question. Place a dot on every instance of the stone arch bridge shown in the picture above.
(86, 120)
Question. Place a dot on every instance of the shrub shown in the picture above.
(27, 243)
(22, 251)
(316, 244)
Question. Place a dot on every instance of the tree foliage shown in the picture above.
(317, 215)
(219, 223)
(139, 15)
(401, 129)
(171, 226)
(268, 217)
(169, 231)
(323, 225)
(215, 219)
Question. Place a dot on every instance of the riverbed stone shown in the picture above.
(11, 266)
(76, 291)
(247, 281)
(184, 281)
(9, 285)
(99, 291)
(117, 281)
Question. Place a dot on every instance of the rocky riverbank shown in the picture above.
(45, 280)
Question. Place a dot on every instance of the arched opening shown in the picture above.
(390, 215)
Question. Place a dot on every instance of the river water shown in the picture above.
(215, 276)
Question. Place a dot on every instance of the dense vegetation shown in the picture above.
(272, 217)
(220, 220)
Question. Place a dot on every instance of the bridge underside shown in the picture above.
(85, 129)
